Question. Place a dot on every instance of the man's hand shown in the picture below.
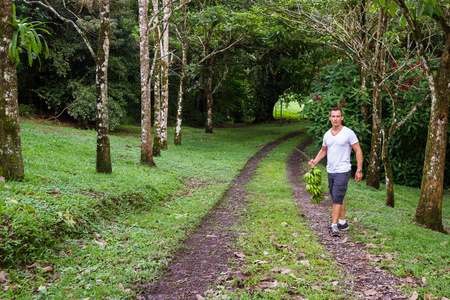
(311, 163)
(358, 176)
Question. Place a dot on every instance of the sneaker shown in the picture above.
(334, 231)
(343, 227)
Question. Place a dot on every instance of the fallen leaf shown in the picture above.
(355, 220)
(424, 281)
(335, 283)
(344, 240)
(199, 297)
(301, 255)
(370, 292)
(409, 280)
(260, 262)
(41, 288)
(284, 224)
(286, 271)
(266, 253)
(240, 255)
(36, 264)
(370, 245)
(4, 276)
(295, 234)
(268, 277)
(305, 263)
(2, 179)
(47, 269)
(262, 286)
(388, 256)
(444, 243)
(211, 236)
(414, 296)
(277, 269)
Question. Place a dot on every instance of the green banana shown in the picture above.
(314, 187)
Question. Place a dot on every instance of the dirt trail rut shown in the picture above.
(205, 253)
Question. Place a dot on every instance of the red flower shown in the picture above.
(394, 64)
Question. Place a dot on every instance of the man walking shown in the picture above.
(337, 146)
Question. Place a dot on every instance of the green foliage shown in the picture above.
(337, 84)
(26, 38)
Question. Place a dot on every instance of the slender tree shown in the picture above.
(102, 124)
(157, 81)
(11, 161)
(146, 121)
(183, 41)
(165, 71)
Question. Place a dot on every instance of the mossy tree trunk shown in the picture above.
(429, 208)
(102, 124)
(146, 106)
(11, 161)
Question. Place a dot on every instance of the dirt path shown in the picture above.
(205, 254)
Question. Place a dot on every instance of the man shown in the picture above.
(337, 145)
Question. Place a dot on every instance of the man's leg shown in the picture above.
(336, 213)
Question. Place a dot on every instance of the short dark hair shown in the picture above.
(337, 109)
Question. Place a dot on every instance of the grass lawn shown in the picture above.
(69, 233)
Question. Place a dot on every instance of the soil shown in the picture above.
(206, 253)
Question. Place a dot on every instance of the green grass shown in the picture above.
(276, 236)
(128, 223)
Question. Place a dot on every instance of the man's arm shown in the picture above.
(359, 159)
(322, 153)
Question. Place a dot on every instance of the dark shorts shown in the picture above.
(337, 183)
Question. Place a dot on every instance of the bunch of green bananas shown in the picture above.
(314, 181)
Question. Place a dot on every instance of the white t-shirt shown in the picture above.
(339, 148)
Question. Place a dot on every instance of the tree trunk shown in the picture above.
(146, 106)
(373, 170)
(209, 99)
(11, 161)
(182, 79)
(157, 83)
(165, 74)
(429, 208)
(103, 146)
(389, 176)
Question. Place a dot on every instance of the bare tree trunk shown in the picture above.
(11, 161)
(146, 106)
(182, 79)
(209, 99)
(103, 146)
(157, 83)
(165, 73)
(373, 170)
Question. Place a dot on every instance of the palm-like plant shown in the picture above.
(26, 38)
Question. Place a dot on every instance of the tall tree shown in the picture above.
(429, 209)
(157, 81)
(165, 71)
(146, 120)
(101, 59)
(102, 124)
(181, 34)
(11, 161)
